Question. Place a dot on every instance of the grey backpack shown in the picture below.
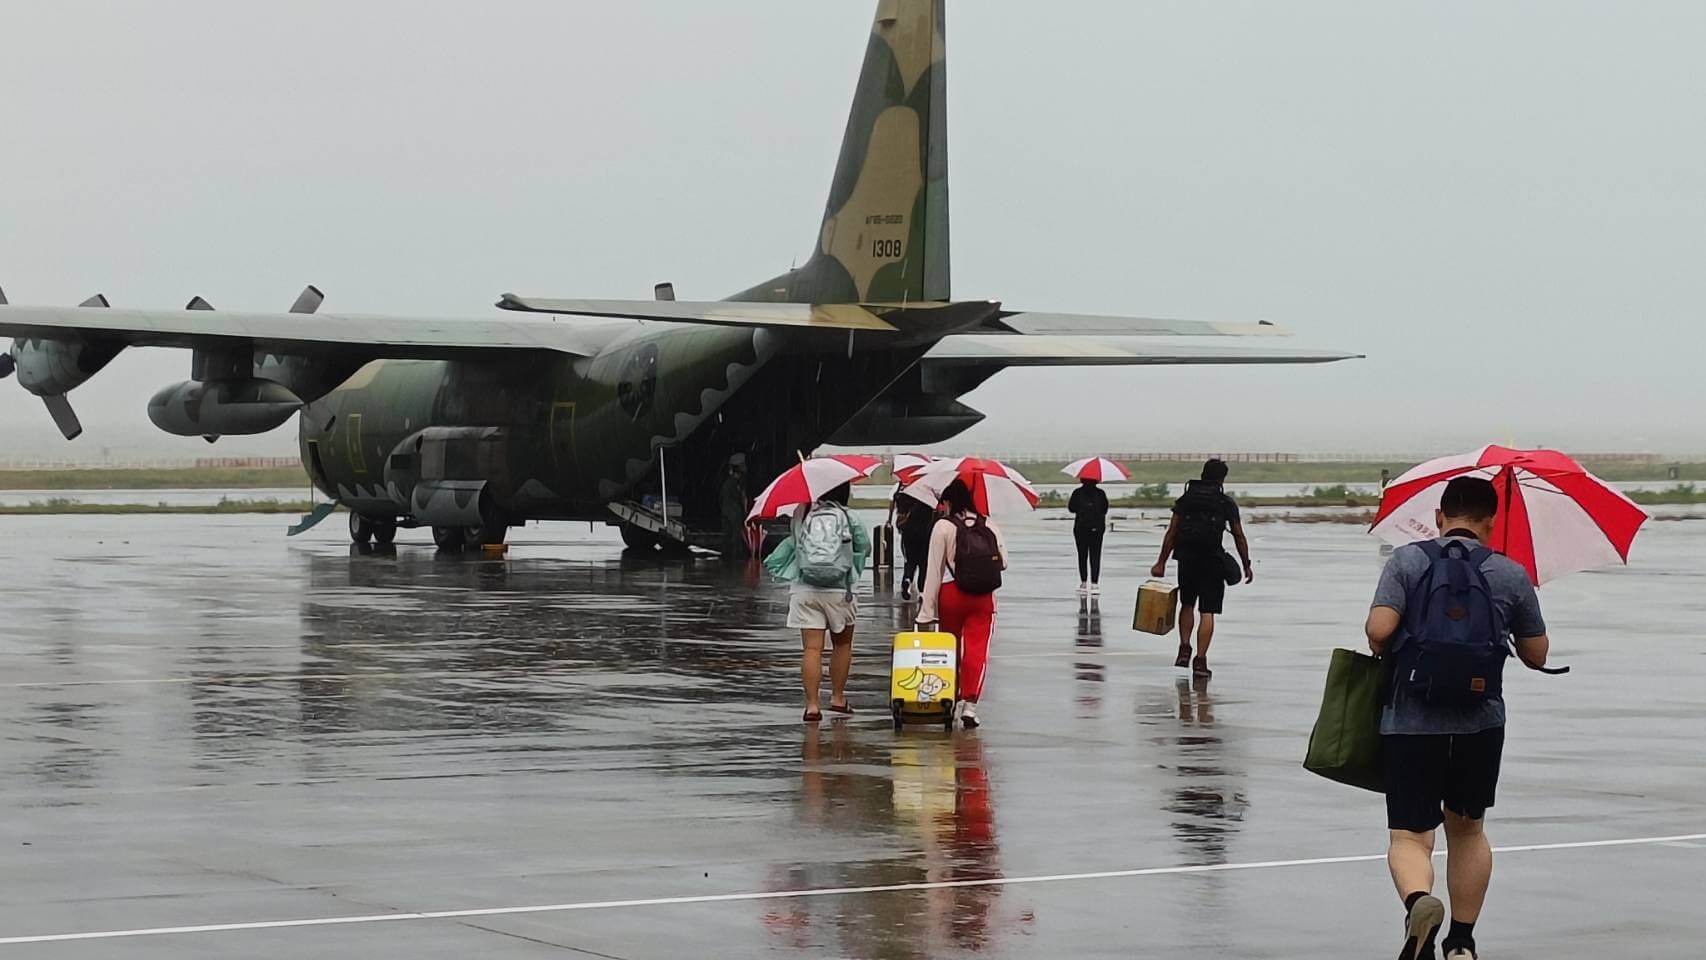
(823, 544)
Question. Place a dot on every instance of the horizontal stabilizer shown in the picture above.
(1086, 324)
(1062, 351)
(824, 316)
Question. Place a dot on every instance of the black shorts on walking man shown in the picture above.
(1441, 754)
(1200, 518)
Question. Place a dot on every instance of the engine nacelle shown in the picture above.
(911, 421)
(221, 407)
(49, 368)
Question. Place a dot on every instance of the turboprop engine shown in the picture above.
(215, 408)
(50, 367)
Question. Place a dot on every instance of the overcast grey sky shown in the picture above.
(1503, 204)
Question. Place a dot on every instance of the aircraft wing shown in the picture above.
(984, 316)
(307, 333)
(995, 352)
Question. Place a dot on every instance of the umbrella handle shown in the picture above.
(1549, 671)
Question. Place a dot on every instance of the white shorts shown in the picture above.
(831, 610)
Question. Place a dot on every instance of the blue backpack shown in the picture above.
(1454, 650)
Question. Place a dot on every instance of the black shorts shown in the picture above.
(1425, 772)
(1202, 584)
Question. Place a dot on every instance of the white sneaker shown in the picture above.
(968, 714)
(1461, 954)
(1083, 589)
(1095, 589)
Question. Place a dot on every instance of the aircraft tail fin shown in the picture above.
(884, 235)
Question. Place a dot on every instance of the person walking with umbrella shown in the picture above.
(1446, 614)
(1089, 508)
(967, 558)
(821, 560)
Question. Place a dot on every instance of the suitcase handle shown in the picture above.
(932, 626)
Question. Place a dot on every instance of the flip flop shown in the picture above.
(811, 717)
(845, 709)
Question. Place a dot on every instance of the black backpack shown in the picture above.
(1202, 520)
(1454, 648)
(977, 557)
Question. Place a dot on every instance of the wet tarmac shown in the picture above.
(294, 751)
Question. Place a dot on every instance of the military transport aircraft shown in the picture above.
(630, 411)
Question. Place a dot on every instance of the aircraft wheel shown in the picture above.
(491, 532)
(637, 539)
(449, 539)
(385, 532)
(360, 528)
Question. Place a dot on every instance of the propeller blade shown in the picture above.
(98, 300)
(8, 363)
(63, 416)
(198, 304)
(308, 301)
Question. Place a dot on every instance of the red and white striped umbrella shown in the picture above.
(809, 480)
(1096, 468)
(907, 466)
(1555, 518)
(995, 487)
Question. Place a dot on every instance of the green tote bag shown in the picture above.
(1345, 744)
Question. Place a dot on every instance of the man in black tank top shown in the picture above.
(1200, 517)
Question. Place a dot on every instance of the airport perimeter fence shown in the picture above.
(153, 463)
(1317, 457)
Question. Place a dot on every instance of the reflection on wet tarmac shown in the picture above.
(931, 792)
(1089, 641)
(239, 729)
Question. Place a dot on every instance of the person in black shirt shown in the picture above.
(1200, 517)
(1089, 507)
(913, 521)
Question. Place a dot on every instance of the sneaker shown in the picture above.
(1083, 589)
(1421, 925)
(1199, 667)
(1095, 589)
(905, 593)
(1184, 659)
(1461, 953)
(968, 714)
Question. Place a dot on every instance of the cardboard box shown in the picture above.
(1157, 608)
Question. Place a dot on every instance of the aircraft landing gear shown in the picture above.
(635, 538)
(449, 539)
(364, 529)
(492, 532)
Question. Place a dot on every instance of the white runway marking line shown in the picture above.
(801, 894)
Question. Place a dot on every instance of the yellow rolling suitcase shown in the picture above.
(924, 679)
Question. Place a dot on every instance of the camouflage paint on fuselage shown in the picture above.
(579, 432)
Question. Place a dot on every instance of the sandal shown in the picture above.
(1184, 658)
(812, 716)
(845, 709)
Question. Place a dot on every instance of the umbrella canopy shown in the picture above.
(809, 480)
(995, 487)
(1554, 518)
(907, 466)
(1096, 468)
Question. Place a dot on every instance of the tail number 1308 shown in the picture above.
(886, 249)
